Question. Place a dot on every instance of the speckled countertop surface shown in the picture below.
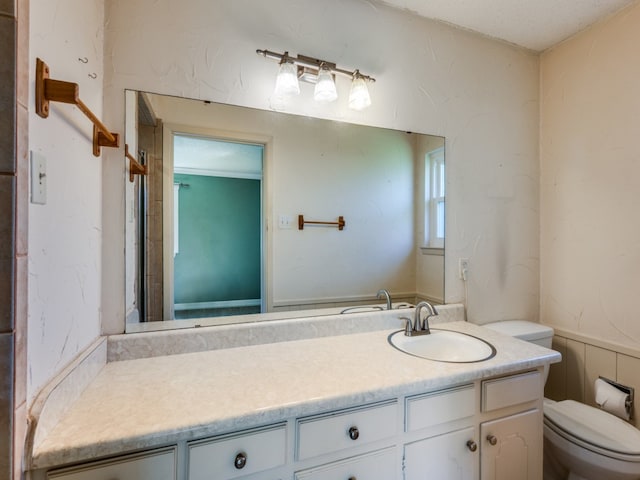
(149, 402)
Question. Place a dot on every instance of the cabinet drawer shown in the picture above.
(345, 429)
(504, 392)
(373, 466)
(155, 465)
(436, 408)
(238, 454)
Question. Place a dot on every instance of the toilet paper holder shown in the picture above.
(625, 389)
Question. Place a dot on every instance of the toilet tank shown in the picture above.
(528, 331)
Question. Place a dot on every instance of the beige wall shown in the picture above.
(590, 182)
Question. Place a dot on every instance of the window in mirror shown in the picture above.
(434, 199)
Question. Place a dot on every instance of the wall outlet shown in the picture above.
(463, 268)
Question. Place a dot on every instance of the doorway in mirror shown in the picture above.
(216, 227)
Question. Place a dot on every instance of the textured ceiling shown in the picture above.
(532, 24)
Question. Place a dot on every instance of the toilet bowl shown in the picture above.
(580, 442)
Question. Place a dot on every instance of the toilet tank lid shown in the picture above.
(521, 329)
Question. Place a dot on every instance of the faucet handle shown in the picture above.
(407, 325)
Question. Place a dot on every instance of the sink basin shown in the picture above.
(444, 346)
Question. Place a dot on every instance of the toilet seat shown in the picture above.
(593, 429)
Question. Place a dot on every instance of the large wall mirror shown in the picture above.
(212, 231)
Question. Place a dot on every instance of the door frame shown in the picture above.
(169, 131)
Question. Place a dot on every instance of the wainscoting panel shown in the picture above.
(583, 362)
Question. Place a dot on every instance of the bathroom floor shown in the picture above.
(215, 312)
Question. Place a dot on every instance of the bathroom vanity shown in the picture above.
(346, 407)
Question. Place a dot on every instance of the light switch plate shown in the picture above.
(285, 221)
(38, 178)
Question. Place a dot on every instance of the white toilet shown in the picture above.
(580, 442)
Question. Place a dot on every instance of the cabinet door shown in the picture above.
(512, 447)
(158, 465)
(444, 457)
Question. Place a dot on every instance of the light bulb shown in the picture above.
(287, 81)
(359, 98)
(325, 90)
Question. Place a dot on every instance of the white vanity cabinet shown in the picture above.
(501, 441)
(482, 430)
(153, 465)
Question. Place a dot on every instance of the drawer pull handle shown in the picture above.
(240, 461)
(492, 439)
(354, 433)
(471, 445)
(352, 478)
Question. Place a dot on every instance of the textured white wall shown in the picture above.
(65, 234)
(480, 94)
(590, 182)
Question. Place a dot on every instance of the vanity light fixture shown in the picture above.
(322, 74)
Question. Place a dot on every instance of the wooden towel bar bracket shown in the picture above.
(48, 90)
(135, 167)
(301, 222)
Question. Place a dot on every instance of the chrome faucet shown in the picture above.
(385, 293)
(419, 326)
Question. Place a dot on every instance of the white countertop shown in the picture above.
(148, 402)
